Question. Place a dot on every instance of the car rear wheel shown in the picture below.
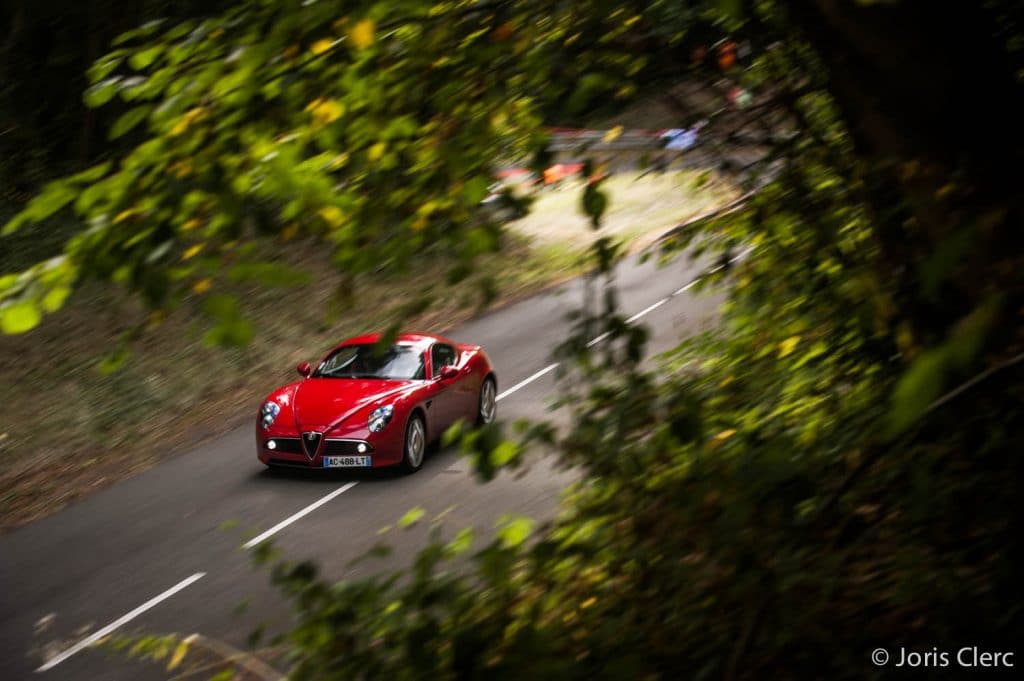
(488, 405)
(415, 444)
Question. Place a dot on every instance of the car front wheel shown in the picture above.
(488, 404)
(415, 444)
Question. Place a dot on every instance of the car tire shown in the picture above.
(414, 447)
(487, 403)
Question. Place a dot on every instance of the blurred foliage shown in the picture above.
(833, 470)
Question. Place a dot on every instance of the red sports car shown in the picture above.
(369, 407)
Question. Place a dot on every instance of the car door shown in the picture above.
(446, 407)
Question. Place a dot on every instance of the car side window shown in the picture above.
(441, 355)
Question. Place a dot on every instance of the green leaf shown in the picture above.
(453, 434)
(55, 297)
(128, 120)
(476, 189)
(142, 31)
(178, 656)
(411, 517)
(54, 196)
(462, 543)
(916, 389)
(231, 333)
(91, 174)
(514, 530)
(594, 204)
(969, 334)
(222, 306)
(113, 361)
(103, 66)
(145, 57)
(102, 92)
(504, 453)
(19, 317)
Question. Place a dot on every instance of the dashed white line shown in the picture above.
(297, 516)
(686, 288)
(525, 382)
(742, 254)
(124, 619)
(647, 309)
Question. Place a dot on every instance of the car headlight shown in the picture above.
(268, 413)
(379, 418)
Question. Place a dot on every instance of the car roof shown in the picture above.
(417, 339)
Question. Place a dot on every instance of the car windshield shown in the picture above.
(402, 362)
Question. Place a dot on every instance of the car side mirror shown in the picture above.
(448, 372)
(304, 369)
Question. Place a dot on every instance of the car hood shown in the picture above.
(323, 403)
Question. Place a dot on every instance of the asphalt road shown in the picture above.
(153, 550)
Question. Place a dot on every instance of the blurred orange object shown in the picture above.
(560, 171)
(727, 55)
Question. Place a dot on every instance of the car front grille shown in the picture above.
(293, 445)
(346, 448)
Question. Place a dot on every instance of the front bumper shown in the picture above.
(383, 448)
(289, 451)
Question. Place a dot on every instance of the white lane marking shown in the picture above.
(739, 256)
(124, 619)
(742, 254)
(647, 309)
(686, 288)
(522, 384)
(597, 340)
(299, 515)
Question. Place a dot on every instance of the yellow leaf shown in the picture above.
(905, 339)
(613, 134)
(332, 215)
(190, 117)
(588, 603)
(788, 346)
(180, 168)
(201, 286)
(362, 34)
(726, 381)
(724, 435)
(289, 232)
(326, 110)
(321, 46)
(156, 318)
(909, 169)
(125, 215)
(194, 223)
(178, 656)
(376, 151)
(192, 252)
(945, 190)
(338, 161)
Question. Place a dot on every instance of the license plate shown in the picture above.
(346, 462)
